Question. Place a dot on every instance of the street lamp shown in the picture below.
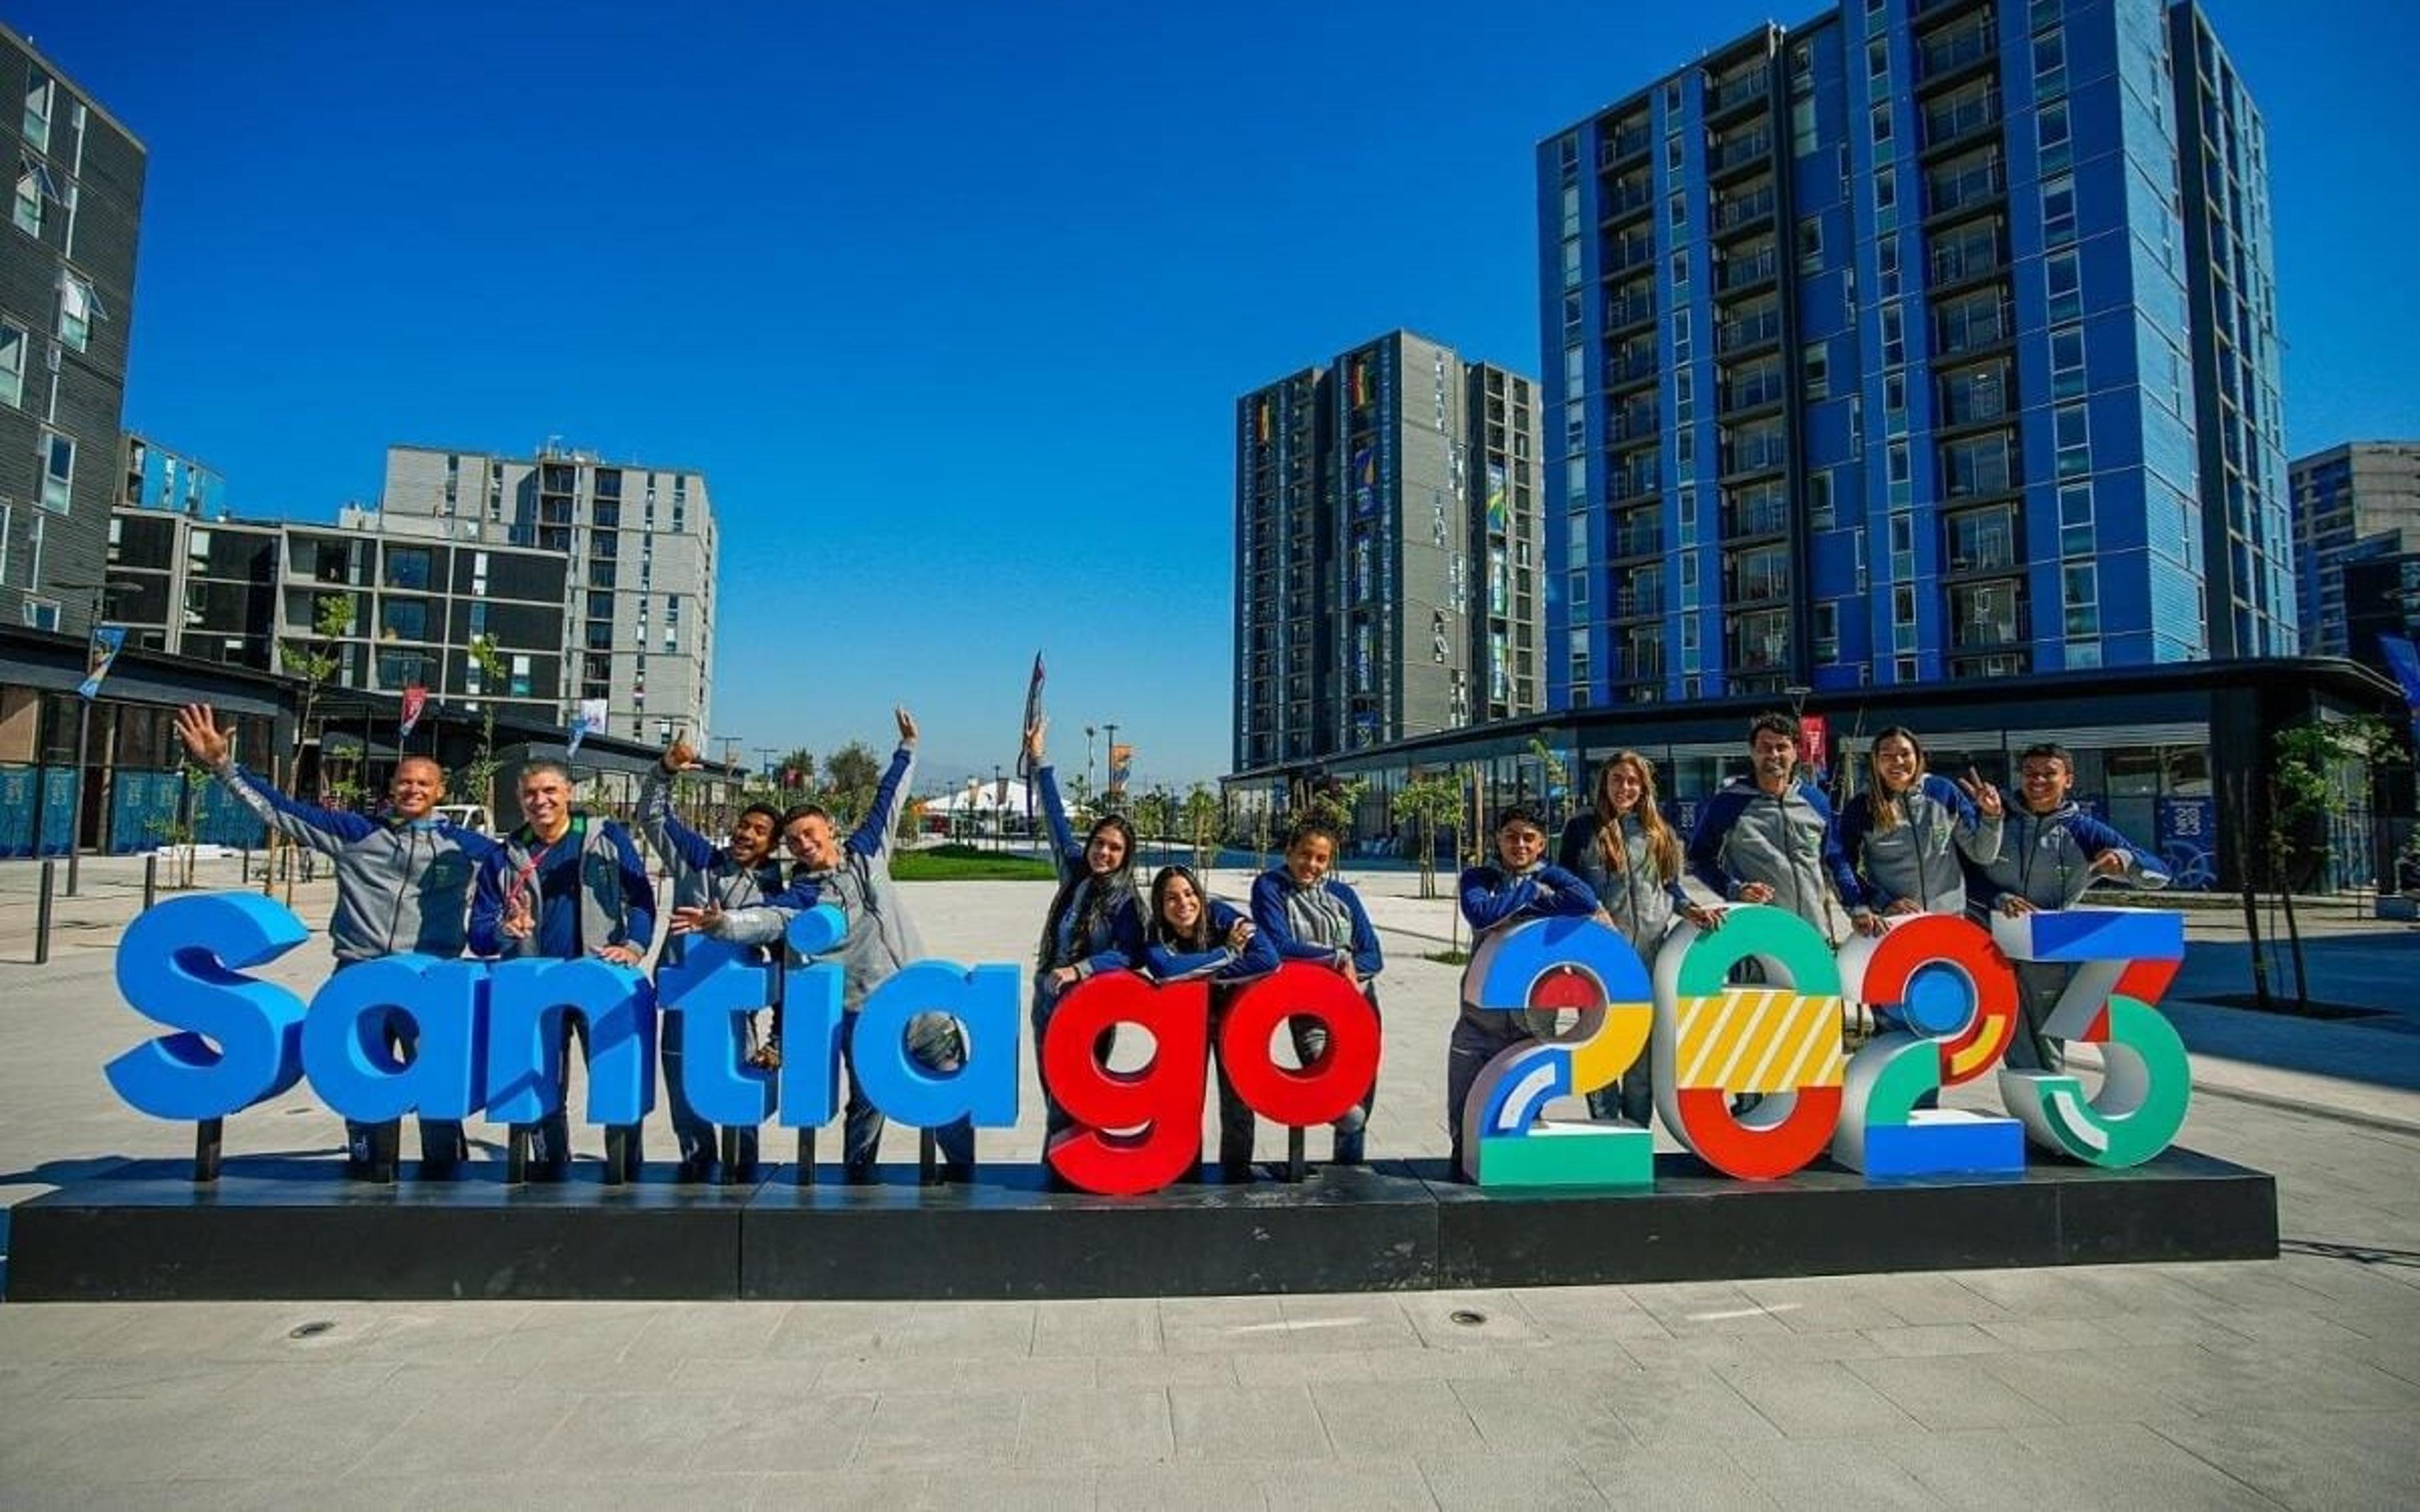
(1088, 759)
(1111, 785)
(999, 820)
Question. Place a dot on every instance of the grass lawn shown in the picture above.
(965, 863)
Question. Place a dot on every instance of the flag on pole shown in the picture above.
(1033, 716)
(107, 640)
(1121, 759)
(415, 699)
(590, 721)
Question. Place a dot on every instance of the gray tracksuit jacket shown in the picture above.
(1918, 857)
(400, 886)
(1787, 841)
(701, 872)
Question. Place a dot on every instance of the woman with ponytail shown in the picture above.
(1905, 835)
(1095, 921)
(1626, 851)
(1194, 938)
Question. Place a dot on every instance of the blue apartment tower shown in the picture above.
(1931, 339)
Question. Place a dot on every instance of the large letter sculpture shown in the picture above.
(2124, 959)
(1134, 1130)
(1323, 1090)
(1713, 1040)
(242, 1041)
(1549, 965)
(1943, 979)
(351, 1063)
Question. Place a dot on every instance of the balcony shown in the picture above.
(1643, 540)
(1970, 253)
(1740, 211)
(1753, 393)
(1973, 470)
(1627, 143)
(1754, 330)
(1953, 119)
(1734, 92)
(1954, 50)
(1640, 601)
(1636, 309)
(1628, 197)
(1622, 253)
(1764, 516)
(1642, 666)
(1739, 272)
(1970, 328)
(1974, 398)
(1632, 423)
(1983, 544)
(1760, 584)
(1946, 193)
(1629, 367)
(1727, 153)
(1990, 633)
(1626, 485)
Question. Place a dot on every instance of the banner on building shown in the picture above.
(2186, 832)
(1814, 741)
(590, 720)
(99, 656)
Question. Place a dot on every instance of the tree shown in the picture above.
(1428, 800)
(850, 776)
(1201, 824)
(796, 770)
(2318, 763)
(1559, 779)
(1154, 815)
(478, 776)
(316, 660)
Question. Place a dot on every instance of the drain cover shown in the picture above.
(310, 1330)
(1467, 1318)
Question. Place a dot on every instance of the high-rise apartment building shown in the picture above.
(2355, 503)
(641, 542)
(1889, 348)
(1387, 548)
(66, 310)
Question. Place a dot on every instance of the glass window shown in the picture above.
(1819, 500)
(15, 342)
(2058, 210)
(1881, 125)
(403, 619)
(36, 124)
(1815, 374)
(1894, 337)
(1681, 267)
(2063, 276)
(1885, 267)
(407, 566)
(2051, 132)
(58, 471)
(1885, 188)
(1895, 461)
(2050, 63)
(1810, 245)
(2076, 519)
(28, 213)
(76, 309)
(2074, 439)
(2066, 376)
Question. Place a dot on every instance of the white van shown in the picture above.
(471, 816)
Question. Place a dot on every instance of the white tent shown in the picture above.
(982, 798)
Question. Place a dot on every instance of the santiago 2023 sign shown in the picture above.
(489, 1043)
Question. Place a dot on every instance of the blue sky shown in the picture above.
(951, 302)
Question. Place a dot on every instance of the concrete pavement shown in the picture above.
(2295, 1382)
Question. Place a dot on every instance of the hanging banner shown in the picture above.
(589, 721)
(415, 699)
(107, 640)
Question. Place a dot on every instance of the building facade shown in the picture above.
(2358, 502)
(155, 477)
(578, 592)
(1388, 541)
(66, 298)
(1878, 355)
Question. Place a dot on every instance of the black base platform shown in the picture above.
(297, 1229)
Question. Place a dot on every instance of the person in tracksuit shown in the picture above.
(565, 885)
(1194, 938)
(1630, 858)
(853, 875)
(2051, 851)
(1521, 885)
(1095, 920)
(1308, 915)
(1769, 837)
(403, 882)
(1910, 837)
(741, 872)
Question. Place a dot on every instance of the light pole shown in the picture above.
(99, 593)
(1087, 761)
(999, 816)
(1111, 788)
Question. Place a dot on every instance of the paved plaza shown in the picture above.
(2293, 1382)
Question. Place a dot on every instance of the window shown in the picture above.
(1681, 335)
(1894, 337)
(1895, 461)
(1815, 371)
(1570, 262)
(403, 619)
(2063, 276)
(2067, 377)
(1818, 501)
(1672, 154)
(1887, 268)
(1810, 245)
(41, 614)
(406, 567)
(2079, 593)
(1882, 126)
(2074, 520)
(2051, 133)
(1878, 58)
(1680, 268)
(1885, 188)
(2058, 210)
(1895, 403)
(28, 212)
(1802, 139)
(2074, 439)
(15, 340)
(2050, 63)
(77, 308)
(59, 470)
(36, 124)
(1677, 210)
(1571, 209)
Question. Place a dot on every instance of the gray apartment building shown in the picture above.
(589, 579)
(1387, 538)
(66, 310)
(2357, 502)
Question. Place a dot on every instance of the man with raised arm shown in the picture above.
(403, 881)
(854, 877)
(564, 885)
(741, 872)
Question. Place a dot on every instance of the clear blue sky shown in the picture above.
(952, 302)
